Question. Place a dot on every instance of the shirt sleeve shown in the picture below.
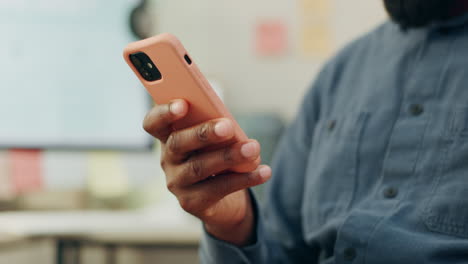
(279, 223)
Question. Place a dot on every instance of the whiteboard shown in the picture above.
(63, 81)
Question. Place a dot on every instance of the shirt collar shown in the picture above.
(452, 22)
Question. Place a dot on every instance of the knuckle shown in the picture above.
(196, 169)
(173, 143)
(228, 155)
(163, 164)
(203, 132)
(156, 123)
(194, 205)
(171, 185)
(188, 204)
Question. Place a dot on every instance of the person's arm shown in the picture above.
(222, 202)
(279, 236)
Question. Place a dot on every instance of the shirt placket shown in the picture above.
(419, 93)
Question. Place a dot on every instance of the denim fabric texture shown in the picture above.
(374, 169)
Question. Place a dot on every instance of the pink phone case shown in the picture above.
(181, 79)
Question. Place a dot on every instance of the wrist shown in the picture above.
(241, 233)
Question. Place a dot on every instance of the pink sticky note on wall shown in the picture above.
(271, 38)
(26, 170)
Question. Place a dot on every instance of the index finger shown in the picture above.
(158, 122)
(183, 142)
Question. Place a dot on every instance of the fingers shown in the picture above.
(204, 165)
(181, 143)
(204, 194)
(223, 185)
(158, 122)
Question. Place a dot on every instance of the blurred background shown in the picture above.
(80, 181)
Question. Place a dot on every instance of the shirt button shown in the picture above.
(349, 254)
(416, 109)
(390, 193)
(331, 125)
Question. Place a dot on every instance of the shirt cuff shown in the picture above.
(214, 251)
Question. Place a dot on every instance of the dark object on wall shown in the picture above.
(140, 21)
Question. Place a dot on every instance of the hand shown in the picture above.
(222, 201)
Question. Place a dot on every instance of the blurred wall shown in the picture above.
(220, 34)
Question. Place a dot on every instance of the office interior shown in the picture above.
(80, 181)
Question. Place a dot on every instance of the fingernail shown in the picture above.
(223, 128)
(265, 172)
(249, 150)
(177, 108)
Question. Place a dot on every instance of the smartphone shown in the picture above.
(168, 72)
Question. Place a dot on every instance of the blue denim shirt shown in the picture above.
(374, 169)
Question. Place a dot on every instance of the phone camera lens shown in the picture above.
(136, 62)
(145, 66)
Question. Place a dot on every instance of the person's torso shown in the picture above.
(387, 176)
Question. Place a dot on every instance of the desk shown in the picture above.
(21, 250)
(102, 237)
